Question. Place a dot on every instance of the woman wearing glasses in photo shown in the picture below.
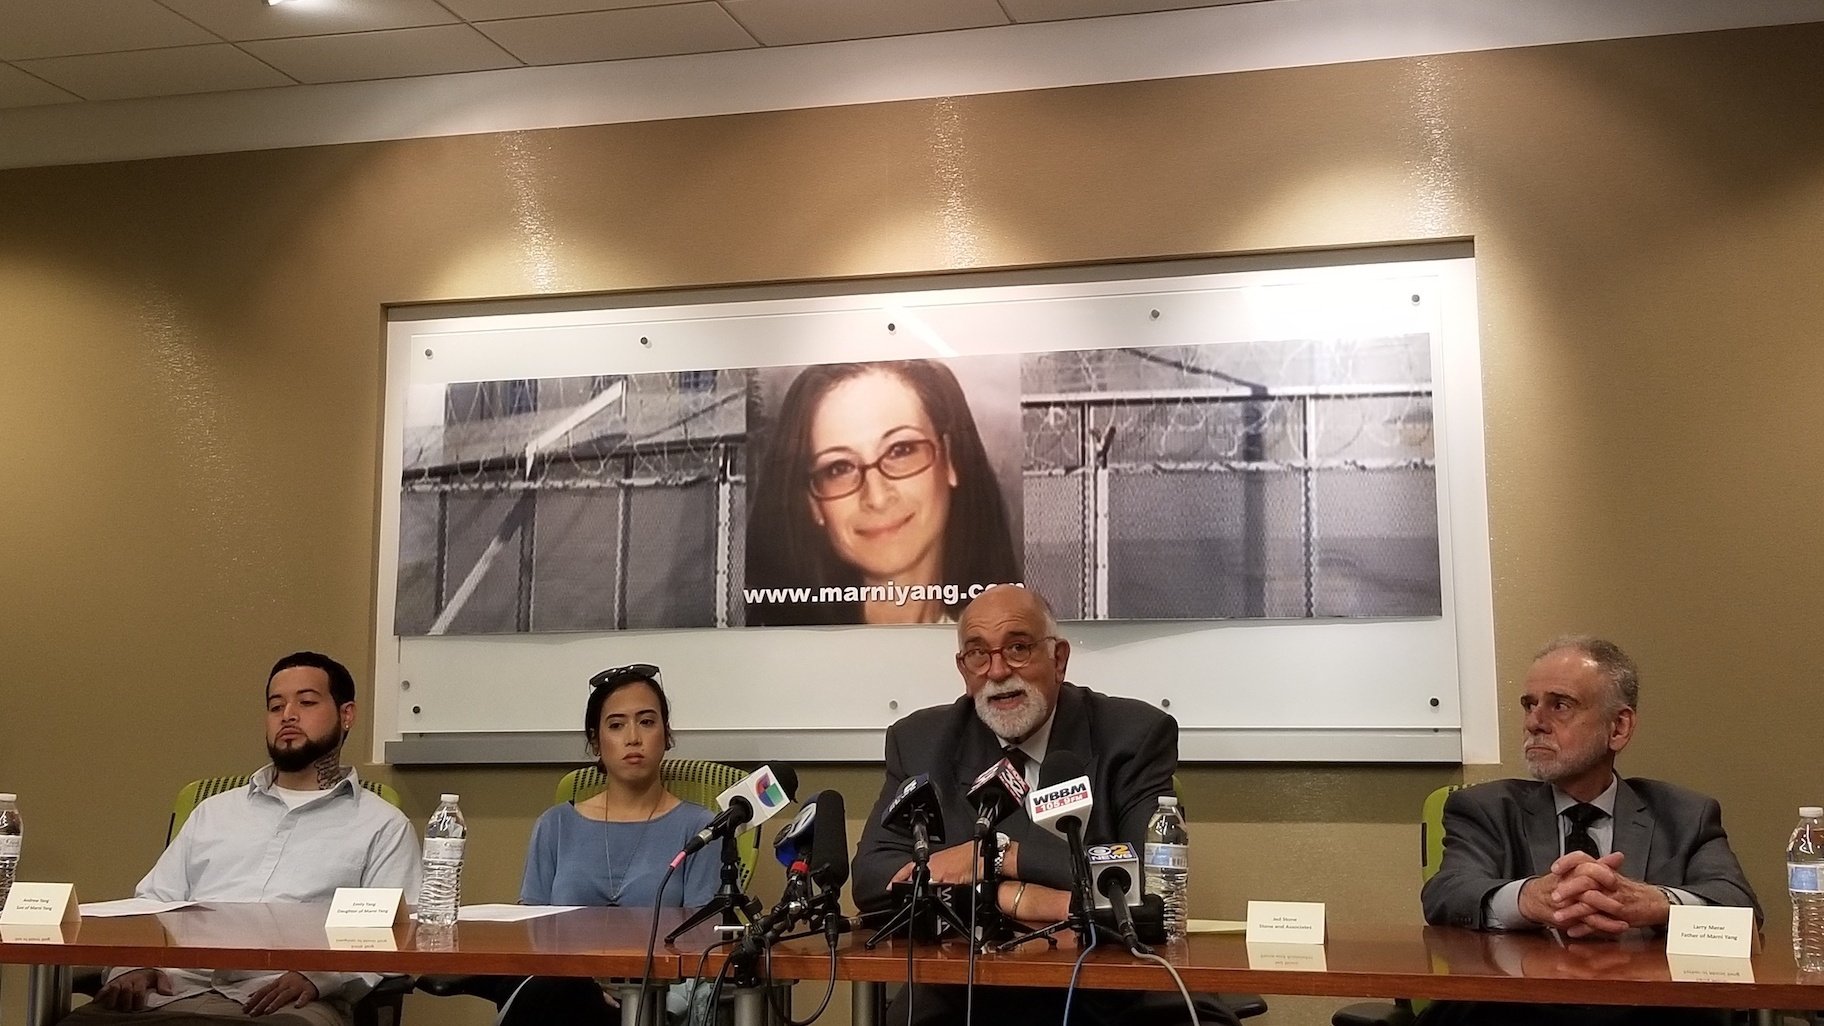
(875, 474)
(612, 848)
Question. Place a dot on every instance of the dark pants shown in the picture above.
(1496, 1013)
(944, 1005)
(557, 1000)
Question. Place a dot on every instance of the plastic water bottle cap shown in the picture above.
(1169, 801)
(8, 796)
(451, 798)
(1805, 811)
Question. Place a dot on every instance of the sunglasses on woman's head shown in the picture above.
(623, 674)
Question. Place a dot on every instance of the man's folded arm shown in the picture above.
(1470, 877)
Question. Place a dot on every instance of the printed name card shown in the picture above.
(41, 904)
(1715, 930)
(1285, 922)
(1710, 969)
(52, 934)
(361, 938)
(365, 907)
(1298, 958)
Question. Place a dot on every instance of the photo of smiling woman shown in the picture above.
(874, 497)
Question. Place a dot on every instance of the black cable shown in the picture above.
(652, 938)
(974, 900)
(696, 983)
(785, 1014)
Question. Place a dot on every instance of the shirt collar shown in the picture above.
(1604, 801)
(1036, 745)
(265, 779)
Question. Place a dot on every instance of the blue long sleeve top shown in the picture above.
(575, 860)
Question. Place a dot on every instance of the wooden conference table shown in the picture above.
(1358, 961)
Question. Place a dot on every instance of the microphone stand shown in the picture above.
(921, 879)
(1081, 919)
(736, 908)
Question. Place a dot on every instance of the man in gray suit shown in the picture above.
(1016, 704)
(1578, 849)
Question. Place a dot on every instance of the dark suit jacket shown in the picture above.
(1130, 748)
(1508, 830)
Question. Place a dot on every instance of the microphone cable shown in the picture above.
(652, 938)
(975, 868)
(697, 984)
(1071, 992)
(784, 1014)
(1189, 1005)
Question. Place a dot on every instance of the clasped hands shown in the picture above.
(128, 991)
(1588, 897)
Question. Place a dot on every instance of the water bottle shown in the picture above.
(11, 834)
(1805, 879)
(441, 889)
(1168, 863)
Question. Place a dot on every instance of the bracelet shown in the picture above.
(1018, 893)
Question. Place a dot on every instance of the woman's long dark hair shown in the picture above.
(786, 548)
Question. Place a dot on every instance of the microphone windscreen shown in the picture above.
(1060, 766)
(830, 841)
(787, 778)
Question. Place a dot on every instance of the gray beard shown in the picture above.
(1014, 725)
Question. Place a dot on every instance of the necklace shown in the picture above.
(616, 888)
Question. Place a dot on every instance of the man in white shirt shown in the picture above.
(303, 827)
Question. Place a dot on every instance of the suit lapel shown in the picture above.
(1633, 831)
(1070, 730)
(1544, 843)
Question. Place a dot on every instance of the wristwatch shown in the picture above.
(1001, 841)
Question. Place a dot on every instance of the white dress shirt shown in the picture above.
(251, 845)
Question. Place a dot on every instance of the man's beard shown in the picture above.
(291, 760)
(1563, 765)
(1012, 724)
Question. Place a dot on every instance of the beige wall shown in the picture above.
(192, 356)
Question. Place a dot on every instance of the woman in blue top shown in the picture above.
(612, 848)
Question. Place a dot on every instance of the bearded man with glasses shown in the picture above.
(1017, 705)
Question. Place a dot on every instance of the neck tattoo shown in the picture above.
(330, 771)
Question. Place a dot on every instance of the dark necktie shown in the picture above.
(1017, 757)
(1578, 838)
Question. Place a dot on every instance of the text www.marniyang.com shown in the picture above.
(898, 594)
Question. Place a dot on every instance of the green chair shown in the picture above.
(378, 1007)
(697, 781)
(1403, 1012)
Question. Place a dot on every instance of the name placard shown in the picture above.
(361, 938)
(56, 933)
(1714, 930)
(1710, 969)
(365, 907)
(41, 904)
(1285, 922)
(1306, 958)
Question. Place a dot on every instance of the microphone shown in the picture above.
(1062, 805)
(998, 791)
(752, 800)
(829, 862)
(829, 851)
(916, 807)
(1113, 868)
(795, 838)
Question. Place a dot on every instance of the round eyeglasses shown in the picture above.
(1015, 654)
(841, 478)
